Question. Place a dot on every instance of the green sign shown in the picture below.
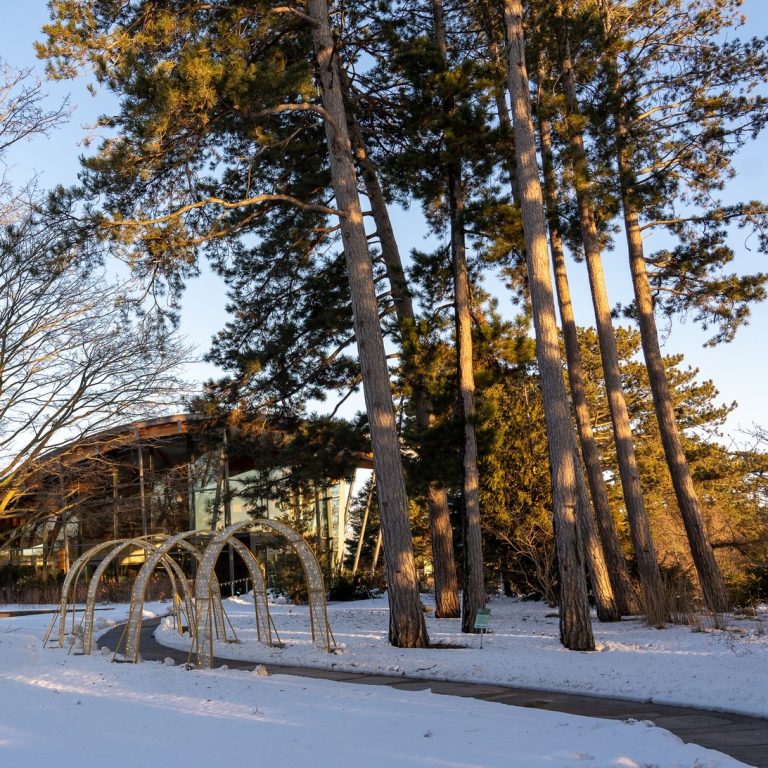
(483, 618)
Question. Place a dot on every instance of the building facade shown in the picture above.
(166, 475)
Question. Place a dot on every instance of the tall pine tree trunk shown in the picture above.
(575, 626)
(441, 533)
(614, 557)
(406, 618)
(599, 575)
(608, 595)
(712, 584)
(473, 595)
(653, 595)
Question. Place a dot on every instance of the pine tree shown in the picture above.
(727, 476)
(211, 101)
(433, 106)
(575, 627)
(446, 585)
(682, 125)
(648, 569)
(473, 596)
(407, 627)
(622, 587)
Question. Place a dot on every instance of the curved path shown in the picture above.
(745, 738)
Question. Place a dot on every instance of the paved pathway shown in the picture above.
(745, 738)
(11, 612)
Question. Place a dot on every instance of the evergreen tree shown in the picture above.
(446, 586)
(473, 596)
(406, 627)
(211, 100)
(515, 486)
(676, 124)
(575, 627)
(578, 166)
(622, 586)
(437, 106)
(728, 477)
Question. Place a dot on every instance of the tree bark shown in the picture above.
(653, 596)
(712, 584)
(473, 595)
(602, 586)
(406, 618)
(612, 556)
(575, 626)
(441, 533)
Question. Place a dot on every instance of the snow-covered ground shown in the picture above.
(708, 668)
(80, 711)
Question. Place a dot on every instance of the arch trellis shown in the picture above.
(264, 624)
(205, 614)
(69, 586)
(132, 632)
(114, 548)
(202, 605)
(175, 574)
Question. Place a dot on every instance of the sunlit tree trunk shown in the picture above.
(712, 584)
(575, 626)
(600, 577)
(473, 595)
(613, 557)
(406, 622)
(653, 595)
(441, 534)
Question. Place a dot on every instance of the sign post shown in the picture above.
(482, 620)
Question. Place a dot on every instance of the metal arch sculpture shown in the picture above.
(175, 573)
(321, 631)
(115, 547)
(132, 632)
(205, 611)
(264, 625)
(70, 584)
(318, 610)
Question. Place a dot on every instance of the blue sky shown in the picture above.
(739, 369)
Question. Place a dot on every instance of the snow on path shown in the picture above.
(82, 711)
(712, 669)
